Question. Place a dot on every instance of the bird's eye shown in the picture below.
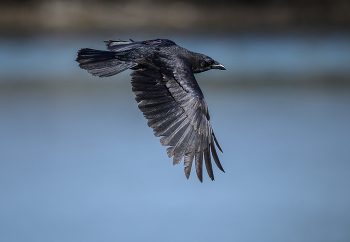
(210, 62)
(206, 63)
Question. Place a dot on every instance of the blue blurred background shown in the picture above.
(79, 163)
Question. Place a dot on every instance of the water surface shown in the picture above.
(80, 163)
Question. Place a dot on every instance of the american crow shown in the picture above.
(169, 95)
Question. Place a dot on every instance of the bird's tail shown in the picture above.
(102, 63)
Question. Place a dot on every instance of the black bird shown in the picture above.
(170, 98)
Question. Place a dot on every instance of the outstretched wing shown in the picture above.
(174, 105)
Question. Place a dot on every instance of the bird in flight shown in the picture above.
(167, 92)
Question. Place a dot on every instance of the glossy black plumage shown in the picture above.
(168, 95)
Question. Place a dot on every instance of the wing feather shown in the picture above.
(174, 137)
(215, 156)
(199, 158)
(207, 158)
(162, 113)
(189, 154)
(170, 128)
(162, 122)
(180, 147)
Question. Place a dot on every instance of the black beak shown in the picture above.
(217, 65)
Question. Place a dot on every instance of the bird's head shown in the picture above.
(205, 63)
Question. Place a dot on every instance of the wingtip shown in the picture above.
(200, 177)
(212, 178)
(187, 171)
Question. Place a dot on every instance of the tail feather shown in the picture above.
(102, 63)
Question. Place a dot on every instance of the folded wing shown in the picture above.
(174, 105)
